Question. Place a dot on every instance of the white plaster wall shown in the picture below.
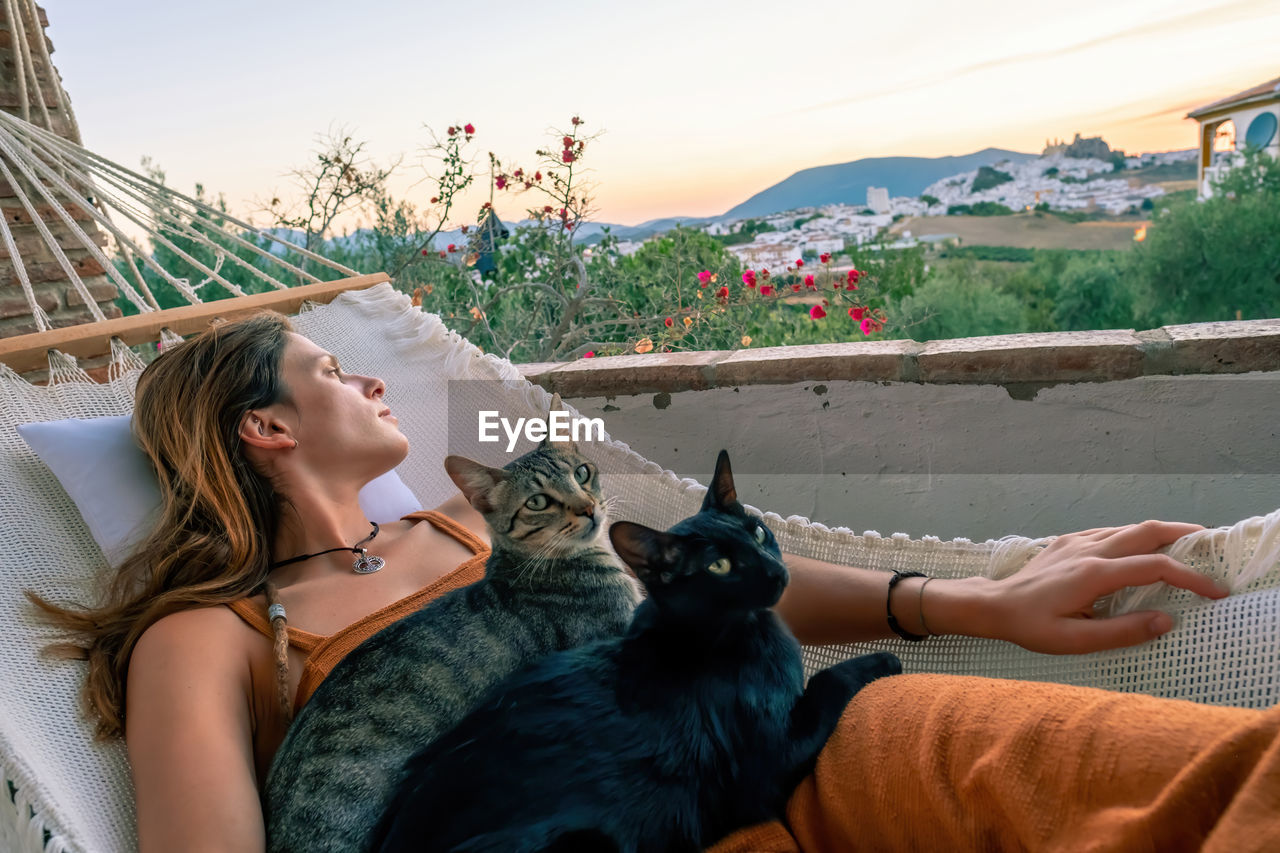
(970, 460)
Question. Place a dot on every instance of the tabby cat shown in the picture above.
(695, 723)
(551, 583)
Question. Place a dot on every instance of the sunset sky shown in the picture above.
(700, 104)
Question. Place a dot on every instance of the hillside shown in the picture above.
(1024, 230)
(846, 183)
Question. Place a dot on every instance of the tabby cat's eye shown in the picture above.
(582, 473)
(720, 566)
(537, 502)
(760, 534)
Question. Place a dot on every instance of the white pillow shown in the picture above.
(111, 482)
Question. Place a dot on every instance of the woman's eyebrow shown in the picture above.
(331, 357)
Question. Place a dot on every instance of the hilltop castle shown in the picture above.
(1081, 148)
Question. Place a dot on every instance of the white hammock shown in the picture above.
(61, 791)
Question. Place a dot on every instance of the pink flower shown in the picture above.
(825, 257)
(865, 325)
(808, 282)
(589, 354)
(704, 277)
(501, 182)
(749, 278)
(469, 128)
(799, 263)
(766, 289)
(816, 312)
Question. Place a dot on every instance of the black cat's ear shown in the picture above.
(475, 480)
(648, 552)
(721, 494)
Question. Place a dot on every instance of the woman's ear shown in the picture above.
(260, 428)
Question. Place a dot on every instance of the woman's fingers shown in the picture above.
(1142, 569)
(1145, 537)
(1081, 636)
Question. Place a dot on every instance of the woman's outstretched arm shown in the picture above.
(1046, 607)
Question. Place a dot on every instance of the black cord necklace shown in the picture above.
(364, 564)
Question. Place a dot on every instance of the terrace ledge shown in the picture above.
(1018, 362)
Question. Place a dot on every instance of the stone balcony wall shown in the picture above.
(982, 437)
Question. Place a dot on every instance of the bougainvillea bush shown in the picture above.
(537, 291)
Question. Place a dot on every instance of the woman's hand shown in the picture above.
(1047, 606)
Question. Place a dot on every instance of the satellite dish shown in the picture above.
(1261, 131)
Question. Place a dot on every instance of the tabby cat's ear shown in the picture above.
(721, 494)
(475, 480)
(647, 551)
(557, 405)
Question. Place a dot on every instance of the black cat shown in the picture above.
(694, 724)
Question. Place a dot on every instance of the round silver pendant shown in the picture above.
(366, 564)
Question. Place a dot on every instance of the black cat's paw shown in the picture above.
(860, 671)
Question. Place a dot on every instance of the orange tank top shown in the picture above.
(323, 653)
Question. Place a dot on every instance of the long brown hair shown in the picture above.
(211, 544)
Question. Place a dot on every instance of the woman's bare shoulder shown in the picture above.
(461, 511)
(213, 639)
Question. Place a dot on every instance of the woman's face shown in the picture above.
(338, 418)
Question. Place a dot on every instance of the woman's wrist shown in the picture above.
(931, 606)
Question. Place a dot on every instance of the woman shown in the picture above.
(262, 442)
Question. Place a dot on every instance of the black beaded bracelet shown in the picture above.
(888, 607)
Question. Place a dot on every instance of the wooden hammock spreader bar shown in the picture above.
(25, 353)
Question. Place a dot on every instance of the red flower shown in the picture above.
(567, 156)
(424, 252)
(817, 313)
(856, 312)
(469, 129)
(766, 289)
(452, 247)
(808, 282)
(568, 140)
(452, 131)
(435, 199)
(501, 182)
(825, 257)
(668, 322)
(589, 354)
(704, 277)
(537, 176)
(564, 214)
(722, 293)
(465, 228)
(442, 254)
(765, 274)
(796, 288)
(546, 208)
(576, 121)
(836, 285)
(853, 277)
(799, 263)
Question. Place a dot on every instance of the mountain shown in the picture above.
(846, 183)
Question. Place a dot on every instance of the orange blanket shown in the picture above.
(934, 762)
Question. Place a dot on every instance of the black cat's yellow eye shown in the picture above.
(760, 534)
(720, 566)
(582, 473)
(537, 502)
